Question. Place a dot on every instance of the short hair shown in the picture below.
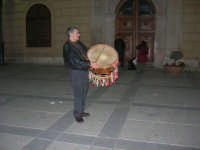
(70, 30)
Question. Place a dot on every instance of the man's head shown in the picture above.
(73, 34)
(118, 35)
(143, 43)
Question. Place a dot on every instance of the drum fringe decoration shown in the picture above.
(107, 80)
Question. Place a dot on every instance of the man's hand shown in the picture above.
(94, 65)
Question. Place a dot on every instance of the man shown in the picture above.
(75, 58)
(120, 47)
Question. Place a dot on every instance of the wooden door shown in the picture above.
(146, 29)
(126, 27)
(129, 51)
(135, 22)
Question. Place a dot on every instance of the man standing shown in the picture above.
(75, 58)
(120, 47)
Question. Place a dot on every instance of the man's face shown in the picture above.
(75, 36)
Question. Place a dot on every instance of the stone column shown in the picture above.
(174, 24)
(160, 37)
(109, 25)
(168, 29)
(109, 32)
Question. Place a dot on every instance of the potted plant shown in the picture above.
(174, 63)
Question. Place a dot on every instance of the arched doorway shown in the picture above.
(38, 26)
(135, 22)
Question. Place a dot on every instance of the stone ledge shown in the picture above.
(192, 65)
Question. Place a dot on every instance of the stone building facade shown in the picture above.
(177, 27)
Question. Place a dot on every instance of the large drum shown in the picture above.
(107, 59)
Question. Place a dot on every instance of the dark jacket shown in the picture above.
(73, 55)
(119, 45)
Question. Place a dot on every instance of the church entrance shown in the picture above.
(135, 22)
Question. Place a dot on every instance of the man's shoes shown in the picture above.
(79, 119)
(84, 114)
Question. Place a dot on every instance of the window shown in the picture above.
(127, 8)
(38, 26)
(145, 8)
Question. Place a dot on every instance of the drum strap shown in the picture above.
(78, 49)
(99, 54)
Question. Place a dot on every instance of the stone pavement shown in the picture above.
(150, 111)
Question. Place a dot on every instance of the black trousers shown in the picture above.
(80, 87)
(121, 59)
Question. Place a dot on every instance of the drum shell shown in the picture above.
(103, 70)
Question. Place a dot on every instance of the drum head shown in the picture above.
(102, 54)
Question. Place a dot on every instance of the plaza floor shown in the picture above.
(154, 110)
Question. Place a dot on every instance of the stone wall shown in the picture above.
(191, 34)
(191, 28)
(64, 13)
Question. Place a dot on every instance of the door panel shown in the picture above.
(136, 28)
(125, 23)
(149, 38)
(129, 50)
(125, 26)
